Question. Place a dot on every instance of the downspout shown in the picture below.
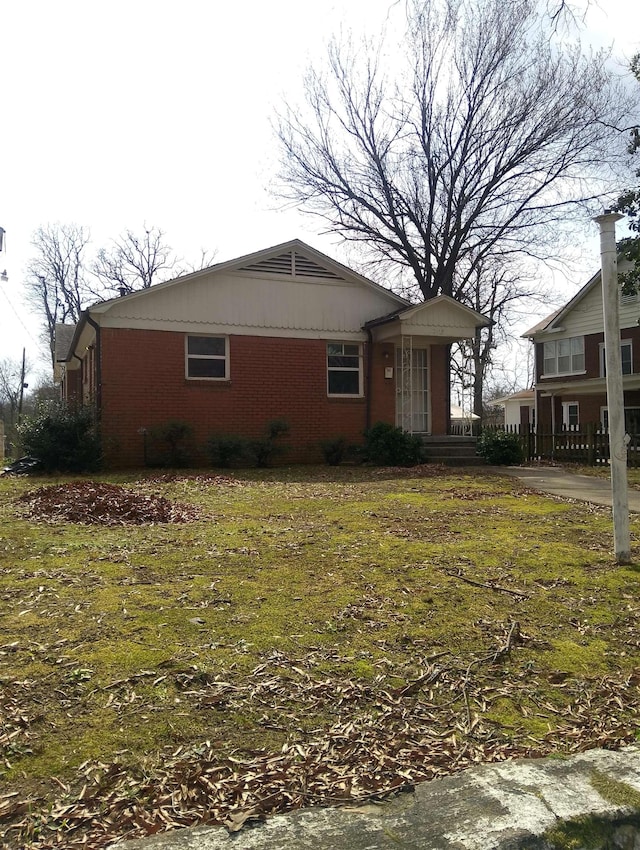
(78, 399)
(369, 383)
(96, 328)
(448, 393)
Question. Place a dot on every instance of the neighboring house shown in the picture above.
(569, 361)
(285, 333)
(462, 421)
(519, 408)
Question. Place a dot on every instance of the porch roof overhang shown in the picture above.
(440, 320)
(588, 386)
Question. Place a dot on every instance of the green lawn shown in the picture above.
(315, 635)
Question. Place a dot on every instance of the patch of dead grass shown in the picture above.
(331, 635)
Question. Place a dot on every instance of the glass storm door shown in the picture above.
(412, 400)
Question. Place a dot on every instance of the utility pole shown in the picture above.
(22, 386)
(615, 393)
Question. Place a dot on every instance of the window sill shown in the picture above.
(555, 375)
(345, 398)
(207, 382)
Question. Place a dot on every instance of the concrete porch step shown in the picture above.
(451, 451)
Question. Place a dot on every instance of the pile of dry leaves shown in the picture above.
(95, 503)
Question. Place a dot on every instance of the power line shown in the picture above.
(16, 314)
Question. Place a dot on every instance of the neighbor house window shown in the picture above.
(207, 357)
(631, 419)
(570, 414)
(564, 356)
(344, 368)
(626, 356)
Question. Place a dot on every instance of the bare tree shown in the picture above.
(56, 286)
(205, 260)
(12, 375)
(494, 290)
(566, 14)
(492, 132)
(134, 262)
(480, 147)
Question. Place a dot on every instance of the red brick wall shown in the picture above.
(592, 344)
(383, 390)
(590, 405)
(144, 386)
(440, 389)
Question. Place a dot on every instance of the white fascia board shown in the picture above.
(210, 328)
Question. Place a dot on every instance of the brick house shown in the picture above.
(285, 333)
(570, 383)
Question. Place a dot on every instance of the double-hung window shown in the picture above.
(207, 357)
(344, 369)
(570, 414)
(626, 358)
(564, 356)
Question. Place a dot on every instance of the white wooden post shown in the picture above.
(615, 394)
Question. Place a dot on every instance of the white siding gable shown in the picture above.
(441, 318)
(255, 301)
(586, 316)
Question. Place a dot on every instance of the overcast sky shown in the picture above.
(115, 115)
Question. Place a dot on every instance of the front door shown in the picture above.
(412, 395)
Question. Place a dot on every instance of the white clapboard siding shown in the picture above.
(254, 302)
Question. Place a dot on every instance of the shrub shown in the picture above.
(277, 428)
(225, 451)
(500, 448)
(229, 450)
(387, 445)
(266, 449)
(170, 445)
(64, 439)
(334, 450)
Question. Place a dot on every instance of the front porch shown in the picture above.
(416, 349)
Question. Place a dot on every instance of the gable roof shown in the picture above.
(284, 308)
(554, 319)
(293, 259)
(411, 310)
(166, 305)
(521, 395)
(62, 341)
(442, 318)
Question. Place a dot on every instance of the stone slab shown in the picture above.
(503, 806)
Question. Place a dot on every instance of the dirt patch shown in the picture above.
(94, 503)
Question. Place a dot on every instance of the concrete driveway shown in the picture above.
(567, 485)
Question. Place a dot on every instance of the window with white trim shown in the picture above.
(626, 357)
(631, 419)
(563, 356)
(344, 368)
(207, 357)
(570, 414)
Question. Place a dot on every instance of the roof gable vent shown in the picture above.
(291, 264)
(304, 267)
